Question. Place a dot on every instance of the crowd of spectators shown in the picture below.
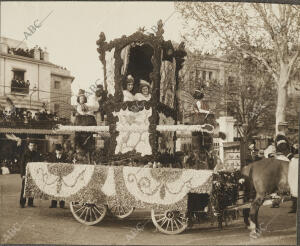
(25, 52)
(20, 86)
(23, 118)
(21, 52)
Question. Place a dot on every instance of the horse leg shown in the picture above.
(255, 205)
(246, 214)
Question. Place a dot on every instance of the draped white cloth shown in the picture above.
(141, 97)
(293, 176)
(125, 57)
(128, 96)
(110, 71)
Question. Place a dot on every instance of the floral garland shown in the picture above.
(93, 191)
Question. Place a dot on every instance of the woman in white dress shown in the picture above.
(127, 93)
(144, 94)
(82, 108)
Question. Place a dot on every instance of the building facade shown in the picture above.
(199, 71)
(31, 81)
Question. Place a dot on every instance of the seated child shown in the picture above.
(144, 94)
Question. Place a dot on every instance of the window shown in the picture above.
(19, 75)
(197, 76)
(56, 108)
(210, 75)
(204, 75)
(56, 84)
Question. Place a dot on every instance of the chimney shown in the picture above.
(46, 55)
(36, 53)
(3, 48)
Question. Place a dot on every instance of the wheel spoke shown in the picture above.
(91, 217)
(168, 225)
(160, 219)
(82, 212)
(93, 211)
(79, 209)
(172, 228)
(179, 222)
(176, 223)
(165, 220)
(85, 218)
(97, 209)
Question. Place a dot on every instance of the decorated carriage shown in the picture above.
(139, 168)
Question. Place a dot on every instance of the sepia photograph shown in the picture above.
(149, 122)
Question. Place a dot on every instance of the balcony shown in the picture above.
(20, 87)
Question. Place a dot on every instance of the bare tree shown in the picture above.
(267, 32)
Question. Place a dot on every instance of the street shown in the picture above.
(42, 225)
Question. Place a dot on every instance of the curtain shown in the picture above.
(125, 57)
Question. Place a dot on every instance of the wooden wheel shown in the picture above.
(170, 221)
(121, 212)
(87, 213)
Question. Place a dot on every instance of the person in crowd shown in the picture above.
(270, 150)
(68, 148)
(127, 92)
(58, 157)
(27, 83)
(30, 155)
(252, 154)
(260, 154)
(200, 106)
(295, 152)
(4, 167)
(82, 108)
(80, 156)
(144, 94)
(282, 145)
(101, 97)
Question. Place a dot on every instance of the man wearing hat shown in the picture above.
(283, 151)
(31, 155)
(58, 157)
(101, 97)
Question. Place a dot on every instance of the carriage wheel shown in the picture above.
(121, 212)
(170, 221)
(88, 213)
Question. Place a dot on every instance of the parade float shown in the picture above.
(137, 170)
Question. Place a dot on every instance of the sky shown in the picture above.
(71, 29)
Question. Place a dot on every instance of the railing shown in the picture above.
(20, 89)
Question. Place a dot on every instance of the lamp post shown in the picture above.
(33, 91)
